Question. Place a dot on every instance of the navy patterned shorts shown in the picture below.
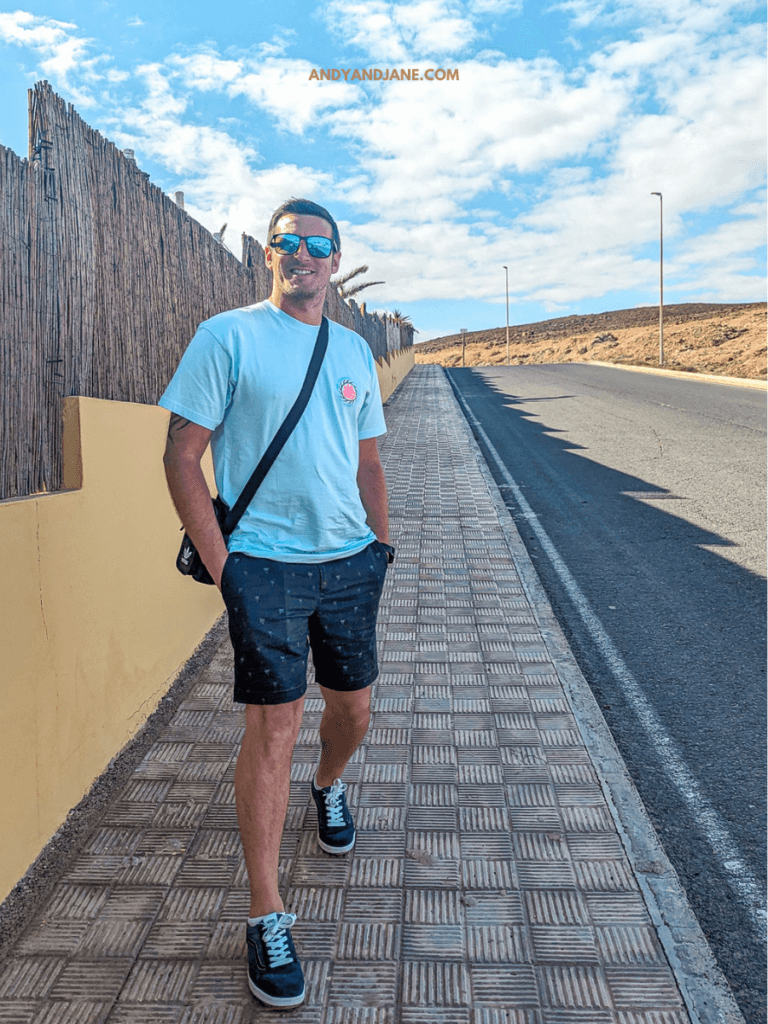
(277, 610)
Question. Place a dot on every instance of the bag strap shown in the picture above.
(285, 431)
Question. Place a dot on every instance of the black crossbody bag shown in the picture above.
(188, 561)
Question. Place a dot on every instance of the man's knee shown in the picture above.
(273, 725)
(352, 709)
(357, 718)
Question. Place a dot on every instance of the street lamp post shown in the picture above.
(506, 278)
(661, 277)
(463, 345)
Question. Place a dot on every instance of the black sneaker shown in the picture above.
(274, 972)
(335, 827)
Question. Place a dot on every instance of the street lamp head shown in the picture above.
(656, 194)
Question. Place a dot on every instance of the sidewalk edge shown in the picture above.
(703, 987)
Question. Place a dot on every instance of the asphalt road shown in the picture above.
(677, 580)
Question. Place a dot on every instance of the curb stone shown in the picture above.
(713, 378)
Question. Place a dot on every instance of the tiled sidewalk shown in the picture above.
(488, 884)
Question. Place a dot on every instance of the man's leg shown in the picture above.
(342, 634)
(262, 786)
(342, 730)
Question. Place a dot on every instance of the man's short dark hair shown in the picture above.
(308, 209)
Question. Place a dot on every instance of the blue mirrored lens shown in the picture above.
(317, 245)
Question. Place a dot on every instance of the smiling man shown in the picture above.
(305, 566)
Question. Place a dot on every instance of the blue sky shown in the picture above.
(541, 156)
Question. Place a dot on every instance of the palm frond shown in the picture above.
(347, 293)
(343, 278)
(401, 320)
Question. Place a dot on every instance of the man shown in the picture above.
(305, 565)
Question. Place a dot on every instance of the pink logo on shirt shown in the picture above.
(347, 390)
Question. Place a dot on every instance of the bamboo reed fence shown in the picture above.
(103, 281)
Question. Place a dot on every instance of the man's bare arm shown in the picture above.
(184, 449)
(373, 489)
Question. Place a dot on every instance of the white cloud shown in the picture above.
(278, 44)
(62, 53)
(731, 281)
(134, 22)
(703, 16)
(282, 88)
(249, 209)
(399, 32)
(733, 239)
(39, 33)
(204, 71)
(440, 145)
(161, 100)
(481, 7)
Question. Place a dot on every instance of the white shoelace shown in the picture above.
(276, 940)
(333, 804)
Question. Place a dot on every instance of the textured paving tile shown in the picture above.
(488, 884)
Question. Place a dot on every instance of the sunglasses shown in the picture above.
(317, 245)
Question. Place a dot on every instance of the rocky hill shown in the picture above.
(728, 339)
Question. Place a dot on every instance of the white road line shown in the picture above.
(743, 882)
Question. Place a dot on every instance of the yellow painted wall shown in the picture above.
(393, 369)
(95, 621)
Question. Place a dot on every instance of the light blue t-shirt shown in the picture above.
(239, 377)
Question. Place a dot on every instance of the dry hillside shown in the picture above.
(698, 337)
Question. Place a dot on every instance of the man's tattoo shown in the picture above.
(176, 424)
